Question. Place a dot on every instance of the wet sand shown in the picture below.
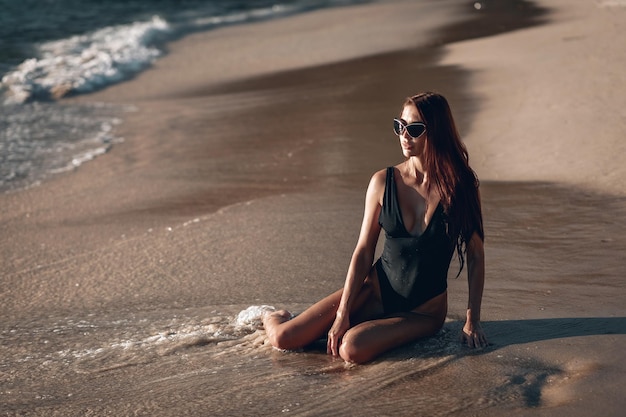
(121, 281)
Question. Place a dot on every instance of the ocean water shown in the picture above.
(54, 49)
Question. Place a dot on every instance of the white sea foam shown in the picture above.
(244, 16)
(82, 63)
(42, 139)
(37, 138)
(252, 315)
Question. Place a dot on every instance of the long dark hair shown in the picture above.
(447, 163)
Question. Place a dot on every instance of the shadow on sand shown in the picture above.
(511, 332)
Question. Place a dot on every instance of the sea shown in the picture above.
(51, 49)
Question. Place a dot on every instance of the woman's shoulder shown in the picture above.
(379, 178)
(377, 183)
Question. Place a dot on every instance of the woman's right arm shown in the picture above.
(361, 262)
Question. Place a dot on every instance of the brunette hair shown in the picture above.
(447, 164)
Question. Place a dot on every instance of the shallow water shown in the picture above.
(38, 140)
(197, 362)
(550, 250)
(56, 49)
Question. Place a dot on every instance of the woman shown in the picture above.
(429, 207)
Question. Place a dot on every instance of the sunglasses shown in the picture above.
(415, 130)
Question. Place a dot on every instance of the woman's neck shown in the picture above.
(415, 169)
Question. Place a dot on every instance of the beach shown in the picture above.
(240, 182)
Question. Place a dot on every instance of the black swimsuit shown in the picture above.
(411, 269)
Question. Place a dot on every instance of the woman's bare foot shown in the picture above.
(274, 318)
(271, 322)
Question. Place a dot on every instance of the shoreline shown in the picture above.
(184, 156)
(183, 159)
(121, 280)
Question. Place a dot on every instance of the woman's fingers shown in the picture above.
(336, 332)
(474, 339)
(333, 344)
(473, 334)
(330, 345)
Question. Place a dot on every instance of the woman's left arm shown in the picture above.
(473, 333)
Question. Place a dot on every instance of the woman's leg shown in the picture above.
(369, 339)
(286, 333)
(312, 324)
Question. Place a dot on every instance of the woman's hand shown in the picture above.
(473, 335)
(472, 332)
(336, 332)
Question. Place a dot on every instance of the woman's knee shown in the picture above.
(354, 350)
(365, 342)
(279, 334)
(280, 338)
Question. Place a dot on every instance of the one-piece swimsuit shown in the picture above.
(412, 269)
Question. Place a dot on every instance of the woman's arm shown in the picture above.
(472, 332)
(361, 262)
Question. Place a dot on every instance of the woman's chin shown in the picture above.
(407, 152)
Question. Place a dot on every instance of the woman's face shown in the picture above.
(412, 146)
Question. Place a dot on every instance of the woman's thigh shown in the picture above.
(315, 321)
(369, 339)
(368, 304)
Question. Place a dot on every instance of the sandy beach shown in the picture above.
(240, 182)
(562, 85)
